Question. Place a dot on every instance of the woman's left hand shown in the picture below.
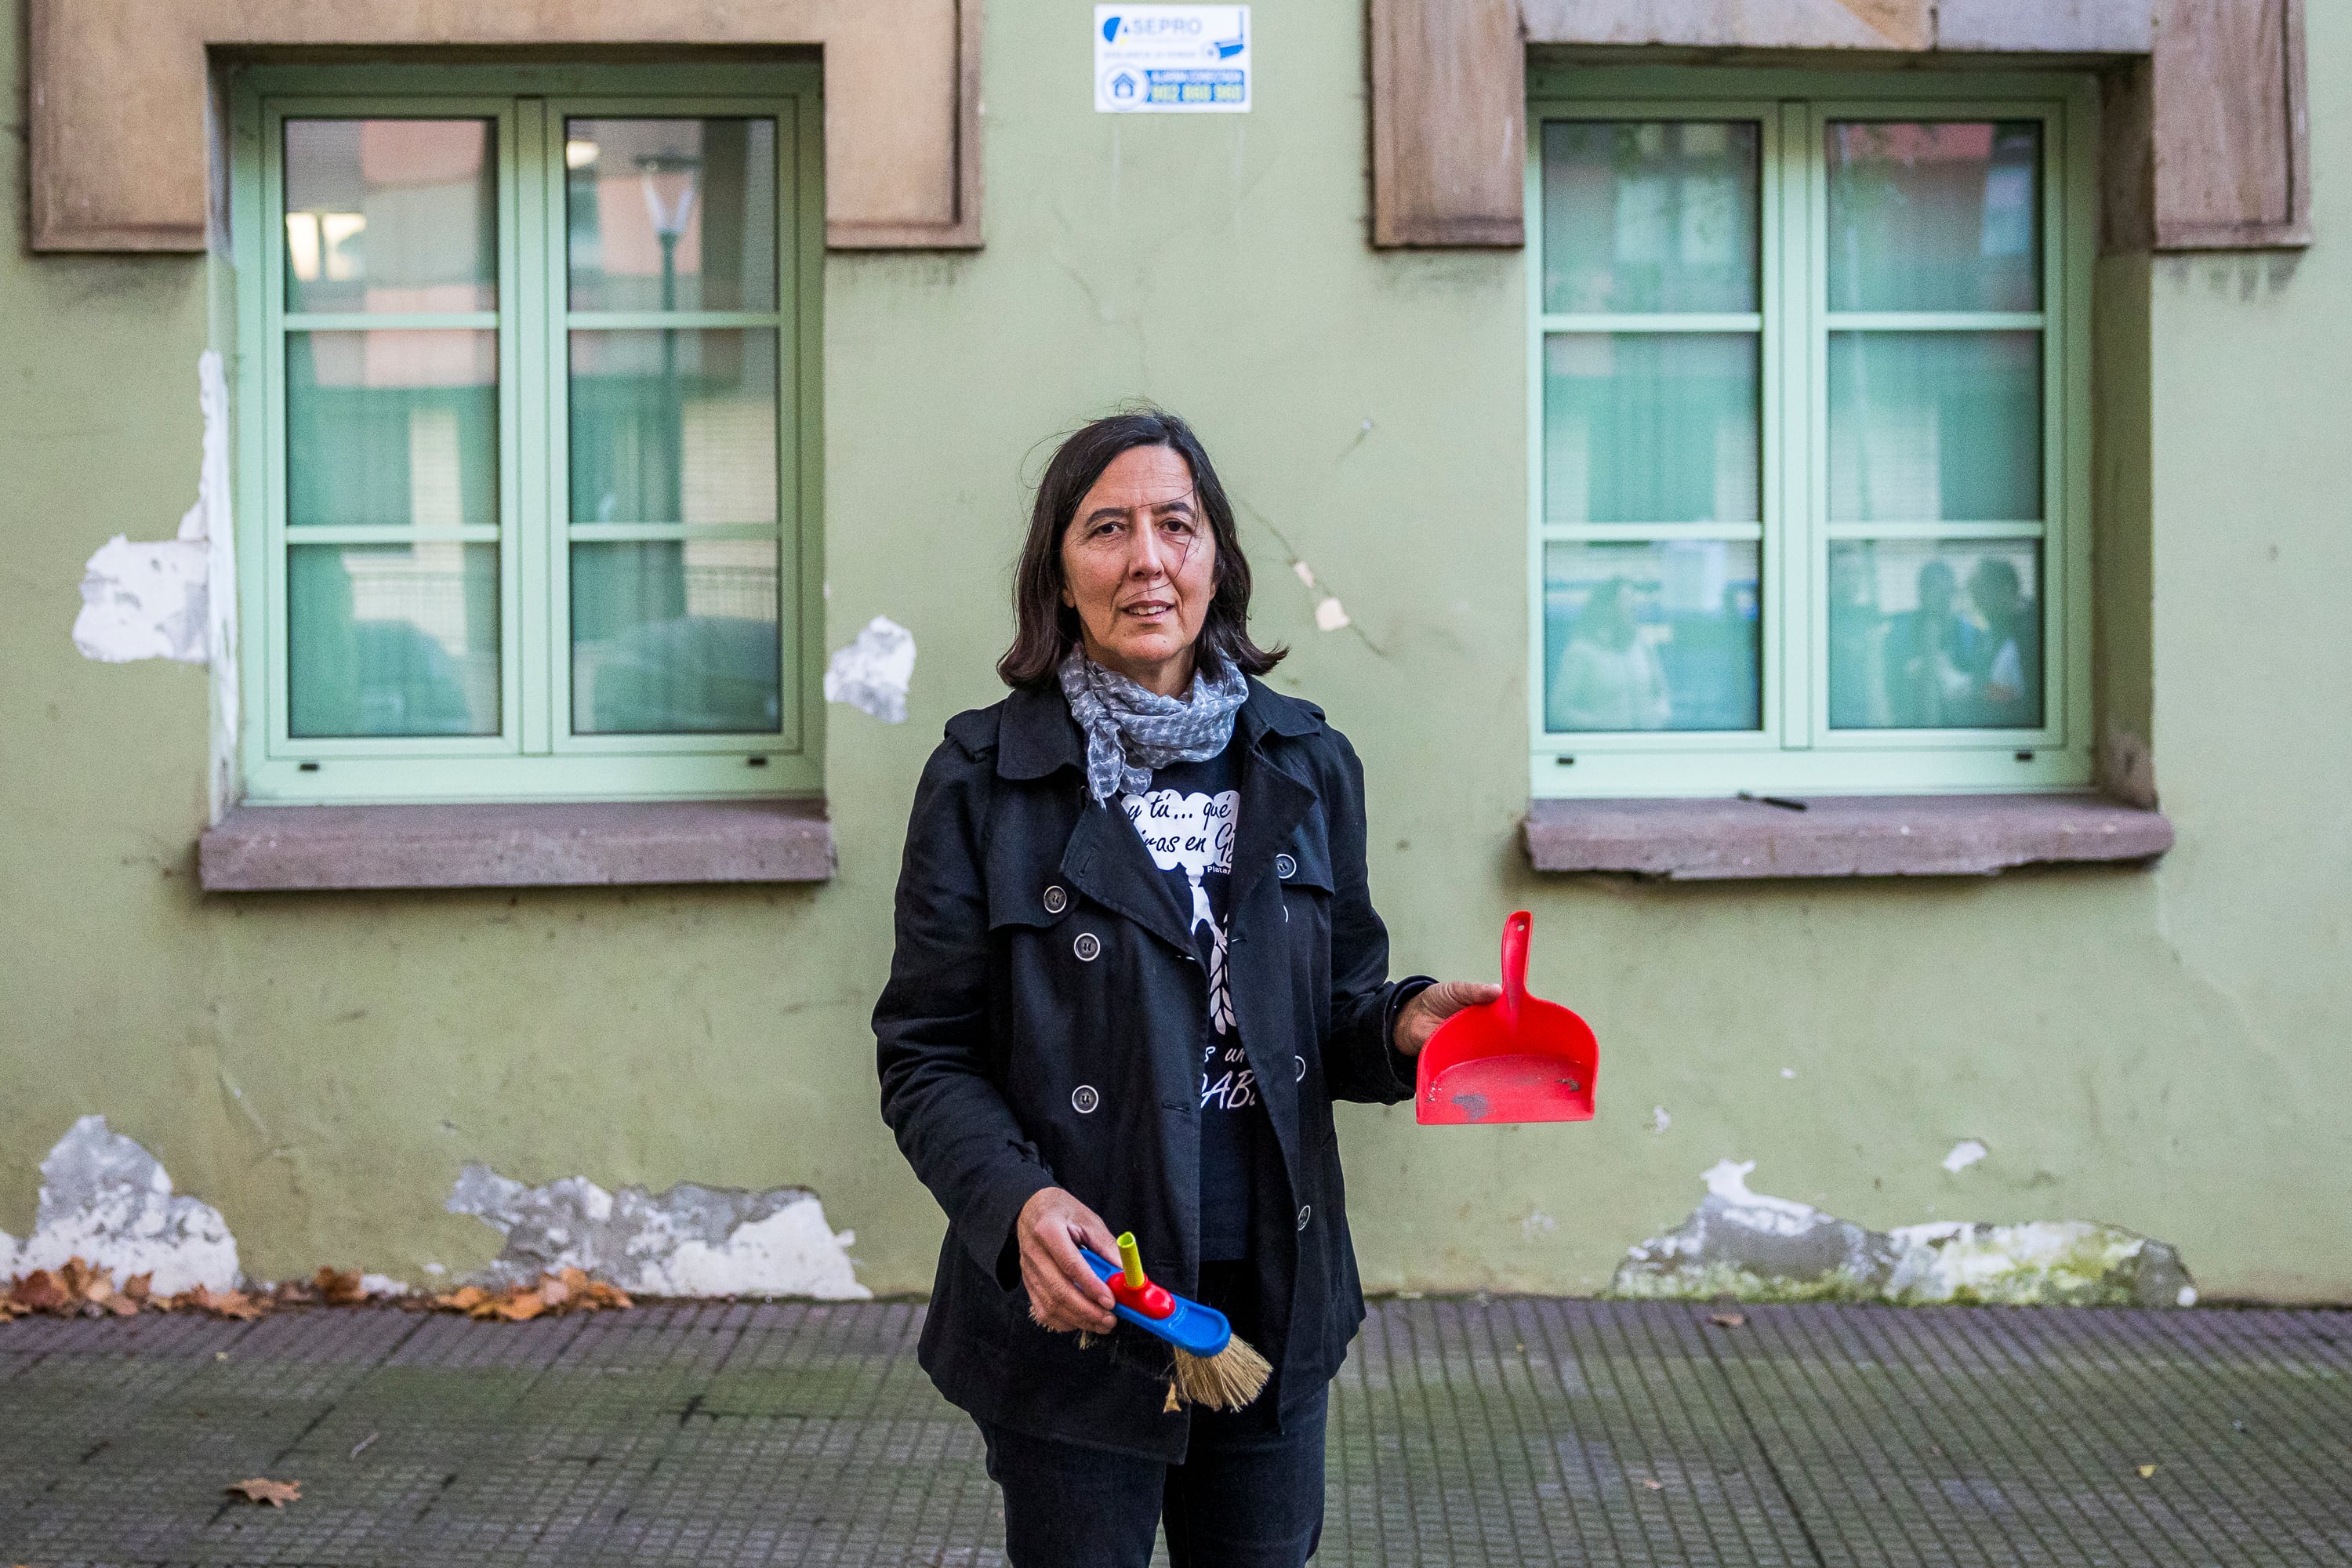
(1421, 1017)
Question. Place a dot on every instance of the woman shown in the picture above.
(1136, 961)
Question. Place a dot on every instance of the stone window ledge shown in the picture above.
(258, 848)
(1839, 835)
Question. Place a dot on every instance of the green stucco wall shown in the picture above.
(2169, 1050)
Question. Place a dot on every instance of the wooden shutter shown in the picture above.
(1449, 116)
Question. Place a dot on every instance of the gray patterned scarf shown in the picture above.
(1132, 730)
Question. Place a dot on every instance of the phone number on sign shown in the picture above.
(1194, 86)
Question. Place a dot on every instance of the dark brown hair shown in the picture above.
(1045, 629)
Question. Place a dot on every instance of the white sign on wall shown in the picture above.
(1172, 60)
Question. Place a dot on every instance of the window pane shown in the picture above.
(672, 214)
(672, 637)
(390, 215)
(1929, 427)
(1650, 215)
(1935, 633)
(674, 426)
(396, 427)
(1657, 636)
(1650, 428)
(392, 639)
(1936, 217)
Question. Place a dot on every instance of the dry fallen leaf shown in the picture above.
(339, 1287)
(2146, 1471)
(571, 1290)
(518, 1308)
(1728, 1320)
(39, 1291)
(234, 1304)
(276, 1494)
(139, 1287)
(1655, 1486)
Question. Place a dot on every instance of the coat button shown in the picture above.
(1057, 900)
(1089, 947)
(1302, 1069)
(1083, 1099)
(1306, 1213)
(1285, 867)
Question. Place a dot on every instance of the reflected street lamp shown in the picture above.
(669, 179)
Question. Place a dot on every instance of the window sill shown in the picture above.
(259, 849)
(1839, 835)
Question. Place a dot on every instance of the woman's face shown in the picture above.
(1140, 567)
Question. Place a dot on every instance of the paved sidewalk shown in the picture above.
(1490, 1432)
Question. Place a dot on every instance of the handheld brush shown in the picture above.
(1212, 1366)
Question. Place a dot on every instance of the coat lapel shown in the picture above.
(1106, 861)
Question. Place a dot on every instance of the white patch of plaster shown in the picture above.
(107, 1201)
(154, 599)
(1330, 614)
(436, 1270)
(1726, 1183)
(1538, 1224)
(1659, 1119)
(1763, 1247)
(874, 673)
(1787, 1072)
(1306, 573)
(2065, 1260)
(143, 601)
(382, 1285)
(688, 1241)
(1965, 1153)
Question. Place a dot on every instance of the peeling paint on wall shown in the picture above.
(1765, 1249)
(156, 599)
(1965, 1153)
(1331, 615)
(107, 1201)
(874, 673)
(1659, 1119)
(688, 1241)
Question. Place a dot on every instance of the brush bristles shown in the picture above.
(1226, 1381)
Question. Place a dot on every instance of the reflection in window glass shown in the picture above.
(674, 426)
(1934, 216)
(671, 215)
(1650, 215)
(1935, 634)
(390, 216)
(1934, 427)
(392, 428)
(1654, 636)
(391, 639)
(675, 636)
(1650, 428)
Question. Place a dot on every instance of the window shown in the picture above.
(528, 473)
(1808, 382)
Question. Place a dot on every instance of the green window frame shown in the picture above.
(699, 584)
(1788, 742)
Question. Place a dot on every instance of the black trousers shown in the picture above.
(1247, 1496)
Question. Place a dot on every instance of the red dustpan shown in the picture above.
(1519, 1059)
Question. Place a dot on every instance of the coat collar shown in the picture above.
(1036, 736)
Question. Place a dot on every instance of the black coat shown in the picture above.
(1044, 1026)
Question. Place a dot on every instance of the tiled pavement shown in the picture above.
(1486, 1432)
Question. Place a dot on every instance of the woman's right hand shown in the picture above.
(1064, 1293)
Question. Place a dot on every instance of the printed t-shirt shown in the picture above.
(1187, 819)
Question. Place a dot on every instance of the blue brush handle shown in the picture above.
(1191, 1328)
